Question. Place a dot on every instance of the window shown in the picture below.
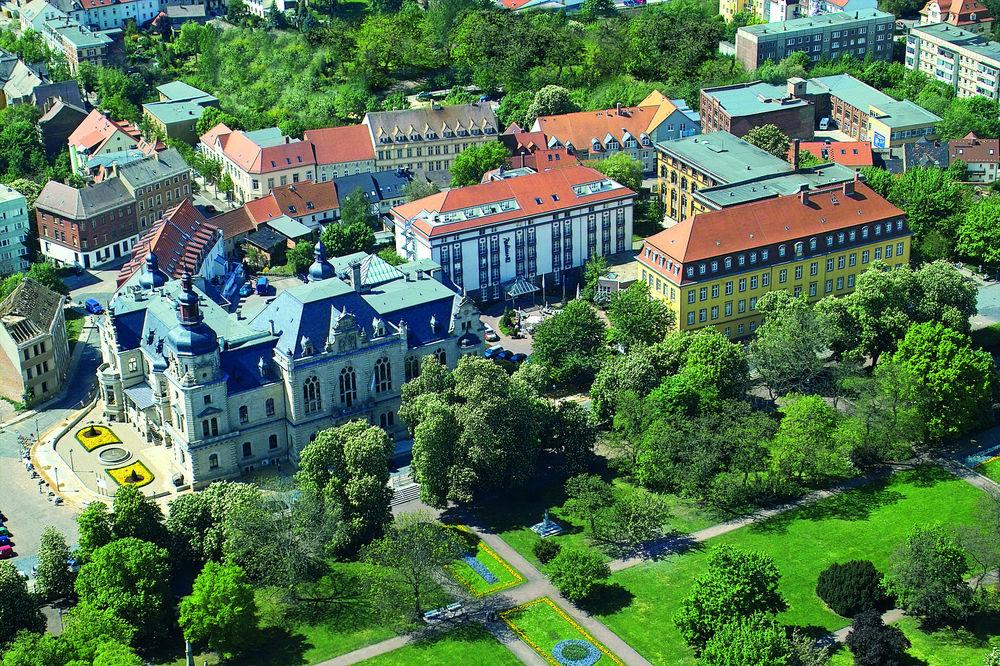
(828, 286)
(798, 249)
(311, 395)
(864, 257)
(812, 243)
(244, 414)
(703, 294)
(829, 264)
(812, 289)
(204, 428)
(781, 250)
(783, 276)
(728, 263)
(691, 296)
(729, 288)
(272, 442)
(213, 461)
(753, 303)
(348, 387)
(411, 368)
(690, 318)
(441, 356)
(387, 420)
(753, 282)
(208, 400)
(715, 312)
(741, 306)
(383, 375)
(728, 309)
(899, 249)
(765, 279)
(798, 272)
(247, 449)
(743, 284)
(702, 314)
(269, 406)
(715, 291)
(215, 427)
(133, 364)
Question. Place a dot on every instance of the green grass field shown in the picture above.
(470, 645)
(513, 517)
(990, 468)
(945, 647)
(507, 576)
(74, 326)
(542, 624)
(867, 523)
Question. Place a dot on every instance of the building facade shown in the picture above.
(100, 136)
(178, 110)
(14, 227)
(862, 34)
(712, 269)
(981, 157)
(86, 227)
(158, 183)
(708, 160)
(971, 15)
(536, 227)
(34, 352)
(65, 27)
(229, 394)
(428, 139)
(739, 108)
(596, 135)
(341, 151)
(964, 60)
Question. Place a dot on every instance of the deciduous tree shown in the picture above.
(53, 580)
(978, 232)
(875, 644)
(770, 139)
(927, 576)
(805, 448)
(576, 572)
(637, 318)
(755, 640)
(469, 166)
(18, 610)
(220, 612)
(787, 351)
(623, 169)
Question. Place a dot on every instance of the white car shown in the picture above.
(491, 335)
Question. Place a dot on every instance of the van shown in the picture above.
(824, 124)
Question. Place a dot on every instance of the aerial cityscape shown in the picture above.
(496, 332)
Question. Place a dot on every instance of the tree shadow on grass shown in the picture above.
(275, 645)
(857, 504)
(975, 632)
(606, 598)
(671, 544)
(924, 476)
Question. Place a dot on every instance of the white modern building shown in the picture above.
(521, 224)
(13, 231)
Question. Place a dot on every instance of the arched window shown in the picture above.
(272, 442)
(812, 243)
(269, 406)
(348, 387)
(213, 461)
(412, 367)
(798, 249)
(781, 250)
(215, 427)
(244, 414)
(441, 356)
(311, 395)
(383, 375)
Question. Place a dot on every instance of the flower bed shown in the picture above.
(102, 437)
(136, 474)
(555, 636)
(483, 571)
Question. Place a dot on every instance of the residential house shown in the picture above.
(259, 161)
(383, 189)
(861, 34)
(14, 227)
(158, 183)
(34, 352)
(739, 108)
(784, 10)
(981, 157)
(920, 153)
(428, 139)
(98, 136)
(964, 60)
(57, 124)
(236, 225)
(226, 394)
(65, 33)
(86, 227)
(524, 229)
(341, 151)
(711, 269)
(20, 83)
(595, 135)
(971, 15)
(312, 204)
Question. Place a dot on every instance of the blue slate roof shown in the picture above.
(242, 366)
(380, 186)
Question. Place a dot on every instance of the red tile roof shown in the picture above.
(94, 4)
(522, 143)
(179, 239)
(847, 153)
(971, 148)
(97, 128)
(959, 12)
(253, 158)
(582, 127)
(334, 145)
(297, 201)
(545, 160)
(536, 194)
(209, 137)
(769, 221)
(234, 222)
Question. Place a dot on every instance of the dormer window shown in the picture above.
(309, 205)
(490, 130)
(291, 209)
(414, 137)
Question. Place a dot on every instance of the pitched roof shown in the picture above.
(86, 202)
(584, 127)
(153, 168)
(970, 148)
(848, 153)
(297, 200)
(333, 145)
(432, 118)
(97, 128)
(29, 310)
(523, 143)
(234, 222)
(770, 221)
(179, 240)
(254, 155)
(209, 137)
(509, 199)
(960, 12)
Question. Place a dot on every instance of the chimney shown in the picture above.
(618, 108)
(270, 324)
(848, 188)
(795, 155)
(356, 276)
(804, 197)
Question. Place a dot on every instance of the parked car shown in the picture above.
(492, 352)
(5, 541)
(505, 355)
(246, 290)
(424, 96)
(6, 552)
(93, 306)
(262, 286)
(519, 358)
(211, 210)
(824, 124)
(4, 531)
(491, 335)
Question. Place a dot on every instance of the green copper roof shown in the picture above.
(725, 157)
(960, 39)
(169, 113)
(749, 99)
(812, 23)
(782, 184)
(893, 112)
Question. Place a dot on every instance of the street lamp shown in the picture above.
(71, 466)
(55, 470)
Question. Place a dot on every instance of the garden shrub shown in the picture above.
(851, 588)
(545, 550)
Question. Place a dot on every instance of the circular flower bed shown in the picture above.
(136, 474)
(576, 652)
(95, 436)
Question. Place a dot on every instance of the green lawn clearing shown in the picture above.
(966, 646)
(542, 625)
(470, 645)
(990, 468)
(512, 519)
(866, 523)
(74, 326)
(506, 575)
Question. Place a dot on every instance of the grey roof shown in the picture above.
(22, 81)
(774, 185)
(377, 187)
(860, 95)
(178, 91)
(83, 203)
(68, 92)
(434, 117)
(810, 23)
(153, 169)
(727, 158)
(288, 227)
(59, 108)
(962, 39)
(746, 99)
(7, 63)
(29, 310)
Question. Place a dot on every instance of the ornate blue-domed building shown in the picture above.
(227, 393)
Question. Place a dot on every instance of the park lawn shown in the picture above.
(74, 326)
(542, 624)
(466, 646)
(967, 646)
(866, 523)
(507, 576)
(512, 519)
(990, 468)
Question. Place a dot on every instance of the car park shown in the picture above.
(491, 335)
(504, 355)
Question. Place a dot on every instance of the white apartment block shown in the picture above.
(967, 62)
